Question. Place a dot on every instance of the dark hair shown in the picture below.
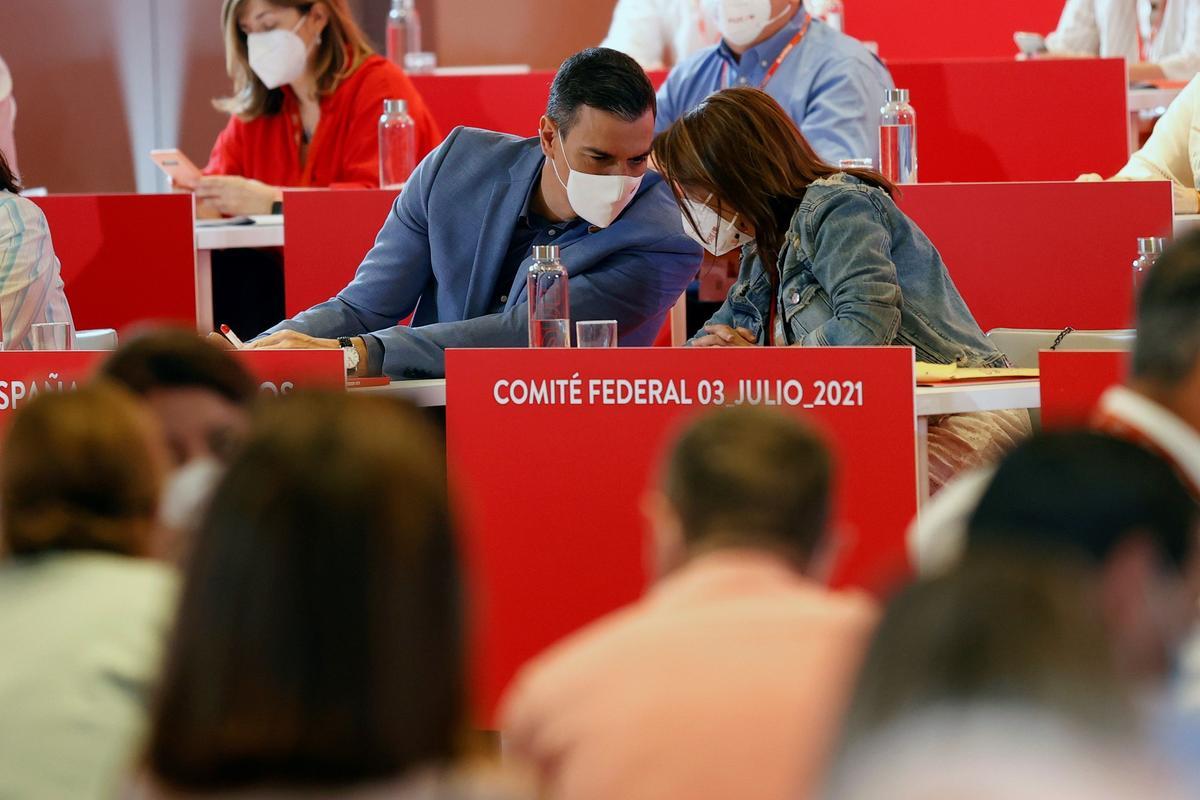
(604, 79)
(318, 637)
(1168, 337)
(8, 181)
(740, 146)
(78, 472)
(1084, 493)
(175, 358)
(1001, 628)
(750, 476)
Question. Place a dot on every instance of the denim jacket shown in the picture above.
(856, 271)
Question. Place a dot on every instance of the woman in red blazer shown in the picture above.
(308, 91)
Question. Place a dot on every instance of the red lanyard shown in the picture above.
(1144, 45)
(799, 37)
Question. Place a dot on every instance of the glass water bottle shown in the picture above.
(549, 301)
(898, 138)
(403, 31)
(1149, 249)
(397, 145)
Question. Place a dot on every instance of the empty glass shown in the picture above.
(596, 333)
(51, 336)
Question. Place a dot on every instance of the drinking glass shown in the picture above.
(596, 333)
(51, 336)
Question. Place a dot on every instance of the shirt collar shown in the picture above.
(770, 49)
(1168, 432)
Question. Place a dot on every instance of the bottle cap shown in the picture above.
(897, 96)
(545, 252)
(1151, 245)
(395, 106)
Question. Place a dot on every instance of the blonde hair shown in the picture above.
(342, 49)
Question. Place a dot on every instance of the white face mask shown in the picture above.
(599, 199)
(278, 57)
(716, 234)
(186, 493)
(742, 21)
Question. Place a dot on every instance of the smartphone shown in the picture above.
(183, 172)
(1030, 43)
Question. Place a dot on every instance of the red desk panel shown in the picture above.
(125, 258)
(326, 235)
(990, 120)
(549, 492)
(1073, 381)
(948, 28)
(1003, 120)
(1042, 255)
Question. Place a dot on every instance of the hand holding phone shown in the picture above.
(179, 167)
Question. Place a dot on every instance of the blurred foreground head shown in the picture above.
(81, 470)
(1120, 510)
(318, 640)
(743, 477)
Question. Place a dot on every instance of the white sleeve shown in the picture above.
(1077, 31)
(1166, 155)
(639, 29)
(1185, 64)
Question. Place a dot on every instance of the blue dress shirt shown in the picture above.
(830, 84)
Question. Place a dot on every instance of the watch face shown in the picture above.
(350, 354)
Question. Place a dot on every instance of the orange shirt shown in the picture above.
(344, 150)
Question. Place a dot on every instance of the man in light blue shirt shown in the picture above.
(829, 83)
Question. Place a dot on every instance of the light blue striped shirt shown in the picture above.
(31, 285)
(830, 85)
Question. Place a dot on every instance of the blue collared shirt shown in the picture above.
(830, 84)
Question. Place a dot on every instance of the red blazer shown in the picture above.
(345, 148)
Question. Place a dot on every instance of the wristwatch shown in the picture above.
(349, 352)
(277, 207)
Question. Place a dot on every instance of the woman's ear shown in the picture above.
(318, 17)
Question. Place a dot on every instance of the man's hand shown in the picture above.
(725, 336)
(292, 340)
(234, 196)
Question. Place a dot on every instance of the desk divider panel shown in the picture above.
(1073, 381)
(1006, 120)
(1042, 255)
(125, 258)
(327, 233)
(948, 29)
(548, 486)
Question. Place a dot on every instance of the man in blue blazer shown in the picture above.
(458, 243)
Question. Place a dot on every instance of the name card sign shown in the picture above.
(551, 451)
(280, 372)
(1072, 382)
(26, 374)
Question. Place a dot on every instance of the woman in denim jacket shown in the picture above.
(827, 258)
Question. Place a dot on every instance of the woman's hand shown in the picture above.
(234, 196)
(725, 336)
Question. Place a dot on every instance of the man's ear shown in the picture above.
(665, 548)
(547, 134)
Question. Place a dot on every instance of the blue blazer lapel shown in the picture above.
(495, 232)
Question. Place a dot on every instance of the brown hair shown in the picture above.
(8, 181)
(743, 148)
(79, 472)
(178, 358)
(750, 476)
(318, 637)
(342, 50)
